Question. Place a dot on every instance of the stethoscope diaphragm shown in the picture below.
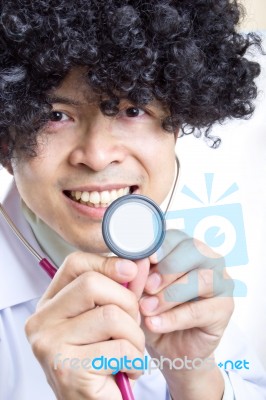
(133, 227)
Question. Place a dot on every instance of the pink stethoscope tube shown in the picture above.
(121, 378)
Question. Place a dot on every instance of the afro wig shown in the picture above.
(186, 54)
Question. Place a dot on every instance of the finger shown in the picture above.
(112, 323)
(189, 254)
(78, 263)
(89, 290)
(172, 238)
(199, 283)
(213, 314)
(156, 281)
(138, 283)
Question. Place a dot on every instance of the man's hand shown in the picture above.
(187, 304)
(84, 307)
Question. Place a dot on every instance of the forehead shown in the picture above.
(75, 83)
(75, 90)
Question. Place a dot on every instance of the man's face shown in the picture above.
(86, 160)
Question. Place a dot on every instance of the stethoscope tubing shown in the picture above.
(121, 378)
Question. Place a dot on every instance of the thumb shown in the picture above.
(78, 263)
(138, 283)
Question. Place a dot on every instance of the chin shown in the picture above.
(97, 247)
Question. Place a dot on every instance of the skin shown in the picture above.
(87, 149)
(90, 151)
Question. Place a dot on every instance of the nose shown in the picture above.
(100, 144)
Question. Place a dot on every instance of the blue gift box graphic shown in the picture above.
(213, 225)
(221, 227)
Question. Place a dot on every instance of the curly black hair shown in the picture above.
(187, 54)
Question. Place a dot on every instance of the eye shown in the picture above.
(132, 112)
(58, 116)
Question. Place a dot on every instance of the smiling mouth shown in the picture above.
(99, 199)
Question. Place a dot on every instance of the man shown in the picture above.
(93, 96)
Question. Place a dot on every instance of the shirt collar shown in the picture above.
(22, 279)
(51, 243)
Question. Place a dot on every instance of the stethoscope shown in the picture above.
(133, 227)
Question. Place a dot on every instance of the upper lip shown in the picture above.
(98, 188)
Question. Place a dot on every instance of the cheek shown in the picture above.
(160, 147)
(163, 156)
(33, 182)
(161, 169)
(28, 177)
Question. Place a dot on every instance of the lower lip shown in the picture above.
(95, 213)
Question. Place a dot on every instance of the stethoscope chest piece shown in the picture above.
(133, 227)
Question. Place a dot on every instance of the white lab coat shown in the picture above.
(22, 283)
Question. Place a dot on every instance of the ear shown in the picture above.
(7, 164)
(176, 132)
(9, 168)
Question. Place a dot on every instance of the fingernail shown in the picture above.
(149, 303)
(156, 321)
(124, 267)
(154, 281)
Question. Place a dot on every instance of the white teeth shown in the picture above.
(105, 197)
(99, 199)
(85, 196)
(77, 195)
(95, 197)
(113, 195)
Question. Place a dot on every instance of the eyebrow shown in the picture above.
(64, 100)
